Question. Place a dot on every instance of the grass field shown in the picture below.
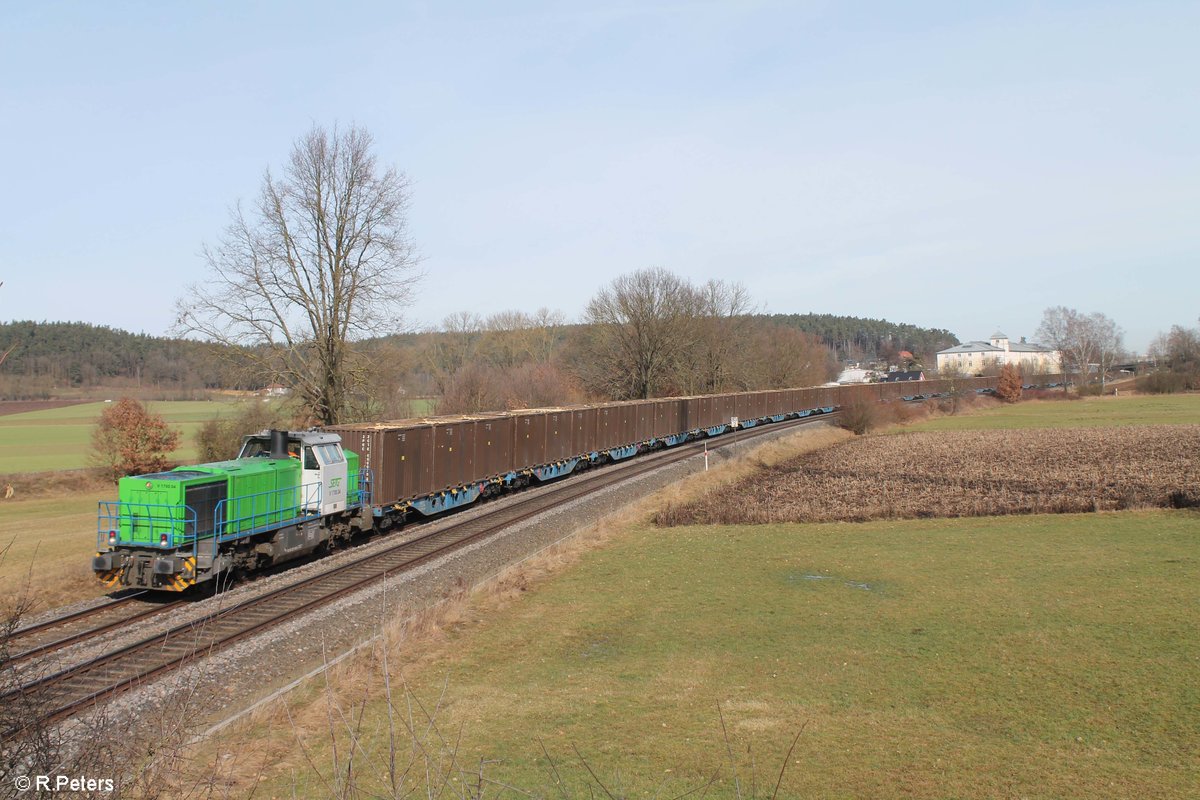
(1040, 657)
(40, 441)
(51, 542)
(1093, 411)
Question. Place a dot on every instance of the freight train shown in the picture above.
(294, 493)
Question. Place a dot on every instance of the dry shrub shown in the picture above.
(480, 387)
(859, 416)
(129, 439)
(1008, 388)
(1050, 394)
(968, 473)
(220, 438)
(901, 413)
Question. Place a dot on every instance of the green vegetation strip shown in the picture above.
(1041, 657)
(1091, 412)
(61, 438)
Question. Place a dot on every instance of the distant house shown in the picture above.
(896, 377)
(855, 376)
(973, 357)
(276, 390)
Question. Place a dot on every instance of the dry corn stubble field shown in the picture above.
(965, 473)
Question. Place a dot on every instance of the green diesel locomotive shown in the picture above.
(286, 495)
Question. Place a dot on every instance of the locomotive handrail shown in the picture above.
(266, 512)
(366, 478)
(113, 517)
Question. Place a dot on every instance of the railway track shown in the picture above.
(67, 692)
(54, 634)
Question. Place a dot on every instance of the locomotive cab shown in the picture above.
(323, 481)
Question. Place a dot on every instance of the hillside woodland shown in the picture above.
(471, 363)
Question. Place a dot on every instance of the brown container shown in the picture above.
(758, 404)
(454, 453)
(627, 414)
(713, 410)
(643, 420)
(414, 461)
(708, 410)
(741, 406)
(728, 408)
(778, 402)
(493, 446)
(400, 457)
(529, 439)
(689, 413)
(668, 418)
(583, 430)
(558, 435)
(607, 421)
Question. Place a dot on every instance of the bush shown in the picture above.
(221, 438)
(1166, 382)
(1050, 394)
(1008, 388)
(859, 417)
(129, 440)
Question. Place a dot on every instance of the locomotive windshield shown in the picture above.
(261, 448)
(256, 448)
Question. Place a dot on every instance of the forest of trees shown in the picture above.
(864, 339)
(470, 363)
(45, 358)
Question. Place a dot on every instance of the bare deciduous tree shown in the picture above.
(643, 323)
(1083, 340)
(323, 258)
(1107, 342)
(779, 357)
(1059, 330)
(723, 322)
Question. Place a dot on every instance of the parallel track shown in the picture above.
(47, 636)
(72, 690)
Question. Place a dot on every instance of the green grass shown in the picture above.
(1041, 657)
(50, 543)
(60, 438)
(1097, 411)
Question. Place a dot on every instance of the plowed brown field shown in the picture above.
(967, 473)
(22, 406)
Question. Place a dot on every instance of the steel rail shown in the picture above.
(87, 633)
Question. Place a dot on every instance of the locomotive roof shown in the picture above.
(307, 437)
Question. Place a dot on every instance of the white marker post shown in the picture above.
(706, 455)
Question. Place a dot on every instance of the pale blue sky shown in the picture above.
(948, 164)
